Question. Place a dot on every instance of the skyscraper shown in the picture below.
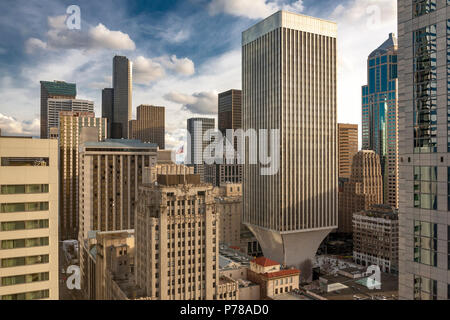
(424, 92)
(230, 113)
(28, 219)
(177, 240)
(363, 189)
(122, 101)
(289, 83)
(380, 114)
(347, 147)
(53, 90)
(75, 128)
(107, 107)
(149, 125)
(197, 127)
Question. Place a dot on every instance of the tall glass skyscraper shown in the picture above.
(380, 114)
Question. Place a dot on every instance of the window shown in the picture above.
(23, 207)
(424, 289)
(425, 243)
(425, 187)
(422, 7)
(25, 278)
(23, 261)
(24, 162)
(24, 243)
(41, 294)
(24, 225)
(425, 89)
(24, 188)
(448, 248)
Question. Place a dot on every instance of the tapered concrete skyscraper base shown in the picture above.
(292, 249)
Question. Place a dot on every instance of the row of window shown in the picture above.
(23, 243)
(24, 189)
(24, 278)
(41, 294)
(23, 207)
(24, 225)
(23, 261)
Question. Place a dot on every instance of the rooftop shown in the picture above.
(60, 88)
(389, 44)
(119, 143)
(282, 273)
(265, 262)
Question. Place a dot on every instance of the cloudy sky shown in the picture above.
(184, 52)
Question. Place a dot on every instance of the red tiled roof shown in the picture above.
(282, 273)
(264, 262)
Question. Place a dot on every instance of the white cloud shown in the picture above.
(253, 9)
(12, 126)
(99, 37)
(197, 103)
(145, 70)
(182, 66)
(102, 37)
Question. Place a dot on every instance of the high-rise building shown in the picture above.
(289, 83)
(177, 244)
(110, 174)
(230, 113)
(424, 92)
(149, 125)
(229, 209)
(347, 148)
(75, 128)
(107, 107)
(122, 96)
(380, 114)
(363, 189)
(197, 128)
(54, 90)
(28, 219)
(375, 238)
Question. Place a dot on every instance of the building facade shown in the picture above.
(29, 219)
(110, 174)
(229, 209)
(149, 125)
(363, 189)
(107, 107)
(424, 92)
(230, 110)
(348, 147)
(177, 244)
(75, 128)
(287, 59)
(122, 96)
(197, 127)
(53, 90)
(380, 114)
(375, 238)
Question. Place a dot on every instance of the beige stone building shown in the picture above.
(177, 242)
(28, 219)
(75, 128)
(364, 188)
(289, 77)
(229, 208)
(149, 125)
(273, 280)
(375, 238)
(348, 147)
(110, 173)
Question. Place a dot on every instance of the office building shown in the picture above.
(347, 148)
(75, 128)
(28, 219)
(230, 110)
(380, 114)
(149, 125)
(53, 90)
(289, 83)
(363, 189)
(107, 107)
(423, 63)
(122, 96)
(110, 174)
(229, 209)
(375, 238)
(177, 244)
(197, 128)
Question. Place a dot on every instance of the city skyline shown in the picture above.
(185, 82)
